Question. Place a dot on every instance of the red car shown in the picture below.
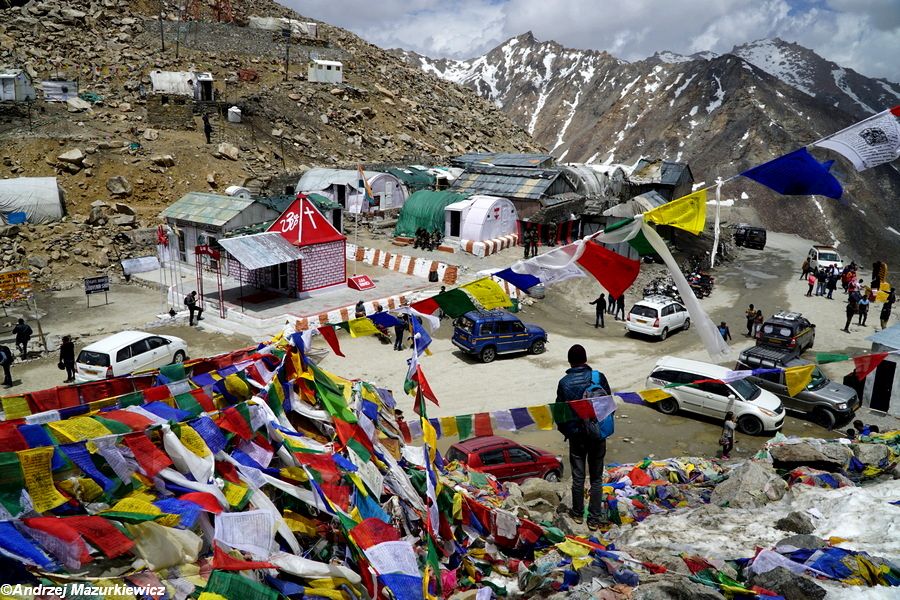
(506, 460)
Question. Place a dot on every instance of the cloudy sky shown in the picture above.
(861, 34)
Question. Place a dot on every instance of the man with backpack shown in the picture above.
(23, 334)
(586, 437)
(6, 359)
(191, 302)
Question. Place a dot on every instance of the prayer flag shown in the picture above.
(542, 416)
(236, 421)
(483, 424)
(869, 143)
(448, 426)
(385, 319)
(687, 212)
(11, 482)
(39, 479)
(421, 339)
(823, 358)
(614, 272)
(521, 418)
(76, 429)
(371, 532)
(454, 303)
(797, 174)
(488, 293)
(361, 327)
(867, 363)
(464, 426)
(224, 561)
(653, 395)
(523, 281)
(101, 534)
(797, 378)
(151, 459)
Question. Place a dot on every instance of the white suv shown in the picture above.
(755, 409)
(657, 316)
(825, 256)
(126, 352)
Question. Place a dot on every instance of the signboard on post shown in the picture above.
(95, 285)
(15, 285)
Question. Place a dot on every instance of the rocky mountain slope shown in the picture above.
(385, 111)
(722, 114)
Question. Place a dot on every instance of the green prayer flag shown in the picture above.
(823, 358)
(477, 479)
(641, 245)
(434, 562)
(112, 425)
(12, 481)
(187, 403)
(562, 412)
(132, 399)
(455, 303)
(334, 403)
(361, 451)
(464, 426)
(618, 225)
(174, 372)
(236, 587)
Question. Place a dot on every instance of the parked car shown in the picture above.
(657, 316)
(825, 256)
(506, 460)
(755, 409)
(788, 330)
(127, 352)
(489, 333)
(749, 236)
(823, 401)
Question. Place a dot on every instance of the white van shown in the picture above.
(825, 256)
(755, 409)
(127, 352)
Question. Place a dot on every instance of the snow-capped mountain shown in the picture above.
(721, 113)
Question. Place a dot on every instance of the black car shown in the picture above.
(751, 237)
(790, 331)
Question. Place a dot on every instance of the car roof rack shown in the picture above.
(787, 315)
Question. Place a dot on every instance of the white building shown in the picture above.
(15, 86)
(479, 218)
(345, 187)
(325, 71)
(196, 85)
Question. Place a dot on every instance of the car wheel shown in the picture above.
(488, 354)
(537, 347)
(824, 418)
(552, 476)
(664, 334)
(750, 425)
(668, 406)
(180, 357)
(687, 325)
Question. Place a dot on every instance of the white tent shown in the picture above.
(40, 198)
(480, 218)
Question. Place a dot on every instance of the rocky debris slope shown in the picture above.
(721, 114)
(385, 111)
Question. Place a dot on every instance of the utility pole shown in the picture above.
(178, 31)
(286, 34)
(162, 37)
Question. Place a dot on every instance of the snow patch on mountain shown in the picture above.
(777, 59)
(720, 95)
(840, 80)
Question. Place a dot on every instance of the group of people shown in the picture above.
(755, 320)
(23, 333)
(861, 429)
(530, 240)
(822, 281)
(608, 304)
(426, 240)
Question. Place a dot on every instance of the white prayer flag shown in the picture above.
(869, 143)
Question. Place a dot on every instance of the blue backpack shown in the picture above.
(591, 428)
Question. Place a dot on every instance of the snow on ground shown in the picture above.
(720, 95)
(892, 230)
(672, 57)
(840, 79)
(560, 140)
(779, 62)
(681, 88)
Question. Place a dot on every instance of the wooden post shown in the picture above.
(40, 329)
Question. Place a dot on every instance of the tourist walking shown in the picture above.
(811, 280)
(23, 333)
(600, 305)
(863, 308)
(750, 314)
(67, 358)
(724, 331)
(851, 310)
(727, 438)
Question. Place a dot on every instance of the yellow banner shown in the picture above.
(192, 441)
(429, 435)
(39, 478)
(300, 524)
(448, 426)
(687, 212)
(542, 416)
(797, 378)
(136, 506)
(654, 395)
(237, 387)
(15, 407)
(362, 327)
(76, 429)
(488, 293)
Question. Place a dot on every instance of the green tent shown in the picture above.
(413, 178)
(425, 208)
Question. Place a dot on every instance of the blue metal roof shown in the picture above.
(209, 209)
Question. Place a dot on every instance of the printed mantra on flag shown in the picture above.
(292, 219)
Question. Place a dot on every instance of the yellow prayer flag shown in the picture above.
(211, 596)
(76, 429)
(192, 441)
(300, 524)
(429, 435)
(15, 407)
(881, 295)
(653, 395)
(488, 293)
(448, 426)
(797, 378)
(573, 548)
(542, 416)
(39, 478)
(361, 327)
(237, 387)
(370, 395)
(135, 505)
(235, 493)
(687, 212)
(457, 506)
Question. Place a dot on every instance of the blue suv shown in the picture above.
(489, 333)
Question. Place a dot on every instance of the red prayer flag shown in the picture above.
(373, 531)
(204, 500)
(423, 385)
(614, 272)
(482, 424)
(405, 432)
(330, 336)
(323, 464)
(583, 409)
(351, 431)
(867, 363)
(134, 420)
(158, 393)
(151, 459)
(427, 306)
(339, 495)
(232, 420)
(227, 471)
(203, 400)
(101, 534)
(57, 528)
(639, 476)
(224, 561)
(10, 438)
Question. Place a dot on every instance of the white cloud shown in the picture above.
(861, 34)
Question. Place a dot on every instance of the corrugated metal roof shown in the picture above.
(261, 250)
(316, 180)
(889, 337)
(663, 172)
(505, 159)
(507, 182)
(209, 209)
(637, 205)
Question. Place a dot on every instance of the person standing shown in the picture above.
(886, 308)
(399, 331)
(67, 357)
(586, 448)
(611, 303)
(526, 241)
(620, 306)
(758, 321)
(724, 331)
(600, 305)
(832, 283)
(821, 278)
(207, 128)
(727, 439)
(191, 302)
(863, 307)
(804, 268)
(750, 314)
(811, 280)
(535, 240)
(6, 359)
(359, 311)
(23, 332)
(852, 308)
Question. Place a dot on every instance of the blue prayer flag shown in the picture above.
(520, 280)
(797, 174)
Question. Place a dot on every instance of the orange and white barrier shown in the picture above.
(488, 247)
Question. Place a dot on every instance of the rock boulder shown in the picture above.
(790, 585)
(119, 186)
(815, 453)
(226, 150)
(750, 485)
(795, 522)
(74, 157)
(675, 589)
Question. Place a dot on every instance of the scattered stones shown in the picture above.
(74, 157)
(119, 186)
(151, 135)
(38, 261)
(124, 220)
(750, 485)
(796, 522)
(163, 160)
(871, 454)
(97, 216)
(802, 541)
(123, 209)
(226, 150)
(818, 454)
(790, 585)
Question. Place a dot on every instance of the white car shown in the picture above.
(755, 409)
(127, 352)
(824, 257)
(657, 316)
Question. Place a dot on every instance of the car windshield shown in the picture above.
(95, 359)
(819, 380)
(643, 311)
(829, 256)
(745, 389)
(466, 324)
(456, 454)
(769, 329)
